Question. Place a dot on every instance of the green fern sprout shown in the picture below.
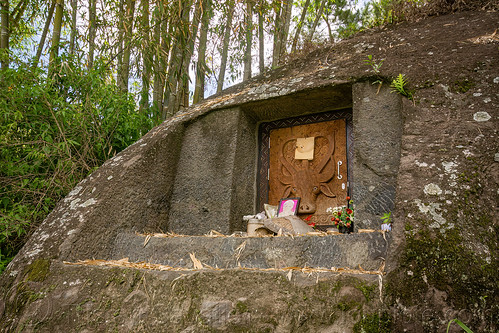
(398, 85)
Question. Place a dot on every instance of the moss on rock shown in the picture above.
(374, 323)
(38, 270)
(444, 262)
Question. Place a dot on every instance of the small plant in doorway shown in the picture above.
(342, 217)
(387, 222)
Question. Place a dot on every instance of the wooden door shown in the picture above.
(320, 182)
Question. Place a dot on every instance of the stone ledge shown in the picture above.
(100, 299)
(348, 251)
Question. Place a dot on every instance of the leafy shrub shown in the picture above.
(53, 133)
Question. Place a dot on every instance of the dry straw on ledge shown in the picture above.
(214, 234)
(200, 266)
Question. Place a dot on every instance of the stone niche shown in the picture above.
(217, 178)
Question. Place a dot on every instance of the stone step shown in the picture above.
(366, 250)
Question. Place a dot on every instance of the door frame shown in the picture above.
(262, 189)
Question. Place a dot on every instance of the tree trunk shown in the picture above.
(201, 64)
(171, 96)
(56, 35)
(182, 97)
(316, 21)
(276, 51)
(188, 52)
(121, 34)
(261, 40)
(127, 41)
(41, 44)
(249, 38)
(281, 31)
(193, 31)
(170, 83)
(329, 29)
(170, 89)
(91, 31)
(146, 55)
(74, 31)
(299, 26)
(159, 59)
(285, 30)
(225, 48)
(4, 38)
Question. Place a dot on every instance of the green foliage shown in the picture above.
(387, 218)
(374, 65)
(347, 19)
(398, 85)
(378, 13)
(460, 323)
(376, 68)
(53, 133)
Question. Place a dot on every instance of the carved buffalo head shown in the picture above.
(307, 182)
